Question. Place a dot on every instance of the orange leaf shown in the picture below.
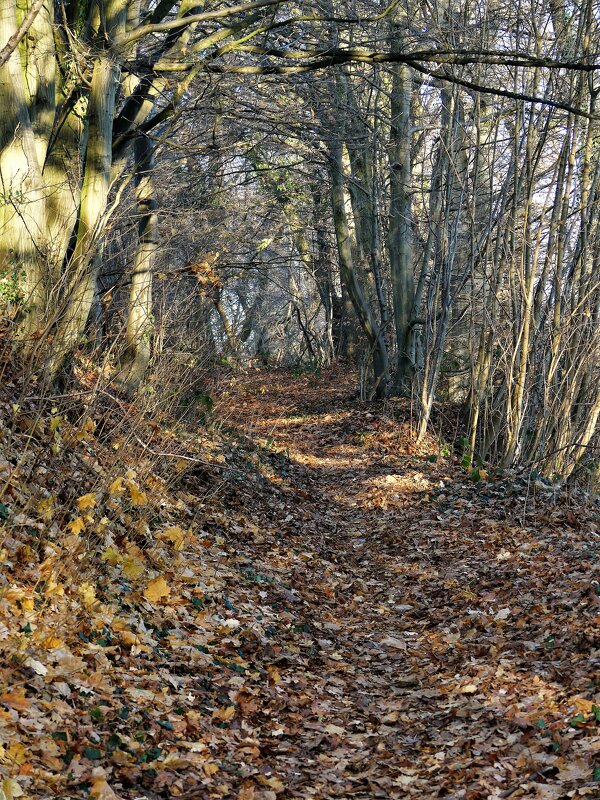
(16, 700)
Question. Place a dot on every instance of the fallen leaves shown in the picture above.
(334, 623)
(395, 642)
(224, 714)
(176, 535)
(100, 790)
(76, 525)
(16, 700)
(87, 501)
(10, 789)
(156, 590)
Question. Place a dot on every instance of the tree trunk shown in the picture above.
(366, 318)
(139, 319)
(400, 219)
(22, 203)
(94, 194)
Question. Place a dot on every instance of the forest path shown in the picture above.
(437, 633)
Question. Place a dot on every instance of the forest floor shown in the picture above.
(317, 609)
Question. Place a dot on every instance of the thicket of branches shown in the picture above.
(410, 186)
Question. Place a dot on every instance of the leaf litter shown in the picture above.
(318, 609)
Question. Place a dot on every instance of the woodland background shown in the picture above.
(409, 187)
(299, 393)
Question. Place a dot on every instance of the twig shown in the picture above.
(14, 40)
(175, 455)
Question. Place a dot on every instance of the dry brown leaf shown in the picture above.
(100, 790)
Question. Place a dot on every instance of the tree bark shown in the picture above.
(94, 194)
(139, 318)
(400, 217)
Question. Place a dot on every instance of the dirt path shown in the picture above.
(439, 637)
(305, 607)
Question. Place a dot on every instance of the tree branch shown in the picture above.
(18, 35)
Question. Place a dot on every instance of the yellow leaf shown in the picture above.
(111, 556)
(88, 427)
(76, 525)
(53, 588)
(27, 603)
(46, 508)
(9, 789)
(87, 592)
(156, 589)
(138, 497)
(55, 423)
(53, 643)
(132, 568)
(16, 753)
(87, 501)
(116, 486)
(175, 535)
(210, 768)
